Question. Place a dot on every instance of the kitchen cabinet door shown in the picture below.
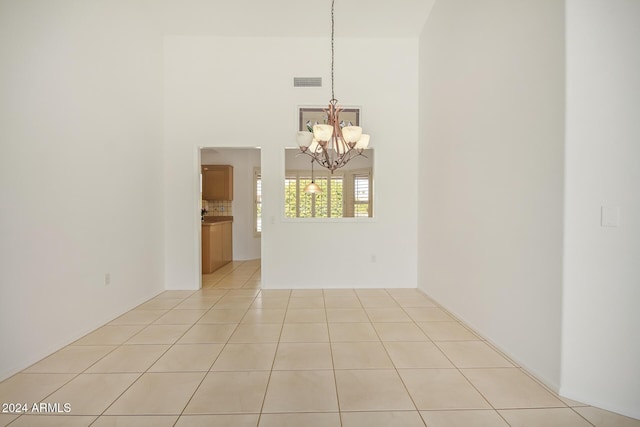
(217, 182)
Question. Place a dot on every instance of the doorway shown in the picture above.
(230, 235)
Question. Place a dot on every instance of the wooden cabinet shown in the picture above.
(217, 182)
(227, 241)
(217, 245)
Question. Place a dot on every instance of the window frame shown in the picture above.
(257, 202)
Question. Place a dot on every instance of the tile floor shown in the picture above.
(234, 355)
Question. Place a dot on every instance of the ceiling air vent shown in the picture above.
(307, 82)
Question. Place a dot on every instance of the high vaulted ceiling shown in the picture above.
(292, 18)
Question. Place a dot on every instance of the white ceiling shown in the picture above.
(292, 18)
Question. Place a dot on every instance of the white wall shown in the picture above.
(491, 168)
(245, 244)
(238, 92)
(80, 167)
(601, 338)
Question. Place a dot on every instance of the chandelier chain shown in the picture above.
(332, 54)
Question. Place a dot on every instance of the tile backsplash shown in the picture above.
(218, 207)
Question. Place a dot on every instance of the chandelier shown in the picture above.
(332, 145)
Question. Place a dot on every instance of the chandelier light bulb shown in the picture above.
(305, 139)
(363, 142)
(322, 133)
(351, 133)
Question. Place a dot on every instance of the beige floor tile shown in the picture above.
(306, 293)
(223, 316)
(510, 388)
(360, 355)
(404, 292)
(53, 421)
(210, 293)
(400, 331)
(372, 293)
(180, 317)
(71, 359)
(378, 302)
(135, 421)
(301, 391)
(601, 418)
(474, 418)
(302, 356)
(253, 284)
(342, 301)
(175, 294)
(91, 394)
(227, 302)
(405, 354)
(241, 420)
(129, 358)
(246, 357)
(203, 333)
(229, 392)
(372, 390)
(306, 302)
(327, 419)
(305, 332)
(199, 303)
(554, 417)
(352, 332)
(447, 331)
(338, 292)
(343, 315)
(188, 358)
(270, 302)
(473, 354)
(305, 315)
(231, 283)
(387, 315)
(160, 304)
(570, 402)
(138, 317)
(266, 315)
(5, 419)
(31, 387)
(275, 293)
(159, 334)
(243, 293)
(110, 335)
(441, 389)
(414, 301)
(428, 314)
(382, 419)
(256, 333)
(157, 393)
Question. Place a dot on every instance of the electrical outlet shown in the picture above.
(107, 279)
(610, 216)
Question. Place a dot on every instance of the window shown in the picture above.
(257, 211)
(298, 204)
(346, 194)
(361, 195)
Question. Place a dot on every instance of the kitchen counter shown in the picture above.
(210, 220)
